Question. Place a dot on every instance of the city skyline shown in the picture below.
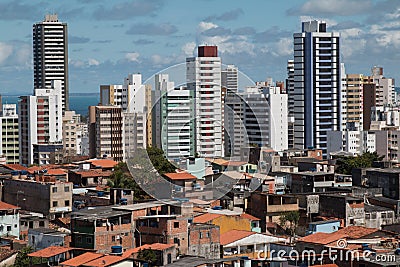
(107, 40)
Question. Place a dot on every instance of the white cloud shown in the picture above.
(5, 51)
(188, 49)
(93, 62)
(329, 7)
(132, 56)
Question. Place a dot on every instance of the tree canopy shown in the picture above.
(289, 221)
(345, 165)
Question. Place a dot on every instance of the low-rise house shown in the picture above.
(186, 185)
(348, 208)
(99, 228)
(41, 238)
(164, 253)
(270, 207)
(387, 203)
(311, 181)
(227, 222)
(91, 177)
(376, 216)
(31, 220)
(53, 199)
(241, 243)
(166, 229)
(328, 226)
(9, 220)
(204, 240)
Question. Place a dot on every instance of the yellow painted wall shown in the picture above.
(227, 223)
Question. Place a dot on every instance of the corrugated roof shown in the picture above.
(81, 259)
(180, 176)
(234, 235)
(15, 167)
(49, 252)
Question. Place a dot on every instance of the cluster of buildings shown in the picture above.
(255, 166)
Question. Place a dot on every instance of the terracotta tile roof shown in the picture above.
(93, 173)
(15, 167)
(6, 206)
(81, 259)
(65, 220)
(56, 172)
(49, 252)
(234, 235)
(250, 217)
(103, 163)
(104, 261)
(356, 231)
(205, 218)
(217, 161)
(323, 238)
(180, 176)
(154, 246)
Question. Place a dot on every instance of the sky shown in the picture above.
(110, 39)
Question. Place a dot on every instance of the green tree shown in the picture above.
(160, 163)
(345, 165)
(147, 255)
(22, 259)
(122, 178)
(289, 221)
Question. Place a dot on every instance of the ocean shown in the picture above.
(77, 102)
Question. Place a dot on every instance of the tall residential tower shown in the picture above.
(50, 55)
(317, 85)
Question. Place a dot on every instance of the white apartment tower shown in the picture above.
(203, 77)
(40, 124)
(9, 147)
(317, 83)
(50, 55)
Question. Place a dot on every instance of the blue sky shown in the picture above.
(109, 39)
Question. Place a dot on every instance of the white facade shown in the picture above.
(133, 133)
(50, 55)
(177, 123)
(40, 120)
(229, 78)
(203, 76)
(9, 141)
(317, 83)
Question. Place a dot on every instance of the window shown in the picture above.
(8, 228)
(54, 189)
(89, 240)
(55, 203)
(41, 223)
(66, 203)
(66, 189)
(113, 238)
(176, 224)
(78, 239)
(201, 235)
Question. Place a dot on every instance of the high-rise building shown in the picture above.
(73, 129)
(290, 91)
(105, 132)
(352, 101)
(317, 83)
(266, 116)
(229, 79)
(9, 143)
(40, 125)
(177, 123)
(203, 77)
(50, 55)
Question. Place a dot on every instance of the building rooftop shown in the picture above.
(324, 222)
(49, 252)
(180, 176)
(81, 259)
(104, 261)
(103, 163)
(99, 212)
(385, 200)
(234, 235)
(374, 208)
(154, 246)
(6, 206)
